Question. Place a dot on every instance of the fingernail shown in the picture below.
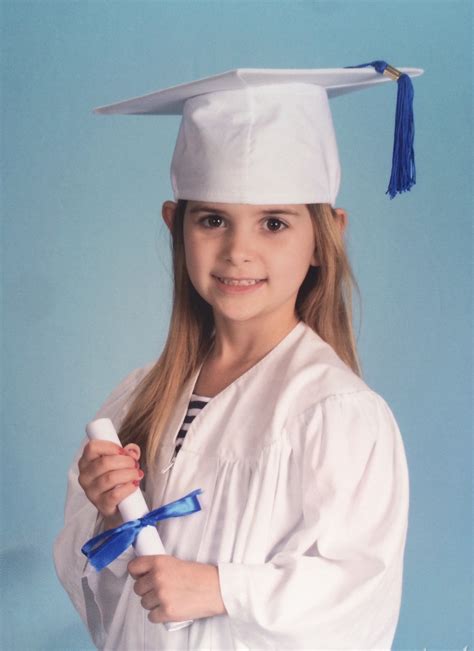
(141, 474)
(136, 482)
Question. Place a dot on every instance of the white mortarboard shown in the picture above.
(266, 136)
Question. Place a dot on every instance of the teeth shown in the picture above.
(239, 282)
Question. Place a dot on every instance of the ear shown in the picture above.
(342, 218)
(168, 211)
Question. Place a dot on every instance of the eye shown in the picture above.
(278, 221)
(204, 221)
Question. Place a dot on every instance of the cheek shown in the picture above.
(292, 264)
(293, 275)
(196, 255)
(307, 252)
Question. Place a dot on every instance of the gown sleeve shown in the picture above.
(337, 581)
(94, 594)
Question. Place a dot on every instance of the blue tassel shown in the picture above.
(403, 175)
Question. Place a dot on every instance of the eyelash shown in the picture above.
(277, 219)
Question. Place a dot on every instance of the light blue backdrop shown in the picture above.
(86, 264)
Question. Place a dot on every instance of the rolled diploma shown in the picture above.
(148, 541)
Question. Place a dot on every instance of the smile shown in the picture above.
(238, 286)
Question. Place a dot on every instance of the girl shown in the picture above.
(257, 399)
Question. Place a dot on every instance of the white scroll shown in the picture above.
(148, 541)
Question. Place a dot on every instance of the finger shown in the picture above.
(109, 462)
(157, 616)
(110, 500)
(139, 566)
(110, 479)
(133, 450)
(150, 600)
(144, 583)
(91, 471)
(96, 448)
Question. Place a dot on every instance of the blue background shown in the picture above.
(86, 263)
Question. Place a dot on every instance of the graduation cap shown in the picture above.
(266, 136)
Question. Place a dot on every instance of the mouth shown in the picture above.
(239, 282)
(238, 285)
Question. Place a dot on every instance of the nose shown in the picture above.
(238, 245)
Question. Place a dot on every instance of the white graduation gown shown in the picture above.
(304, 512)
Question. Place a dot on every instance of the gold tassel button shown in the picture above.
(392, 72)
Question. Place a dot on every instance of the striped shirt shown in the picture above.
(196, 403)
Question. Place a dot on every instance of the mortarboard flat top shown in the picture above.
(170, 101)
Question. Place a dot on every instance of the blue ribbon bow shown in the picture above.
(117, 540)
(403, 175)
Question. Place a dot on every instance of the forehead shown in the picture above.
(235, 208)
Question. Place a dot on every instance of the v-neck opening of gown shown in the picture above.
(287, 339)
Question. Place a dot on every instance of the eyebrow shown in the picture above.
(265, 211)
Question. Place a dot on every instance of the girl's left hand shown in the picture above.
(174, 590)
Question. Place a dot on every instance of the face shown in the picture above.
(273, 244)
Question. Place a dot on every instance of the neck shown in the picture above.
(242, 342)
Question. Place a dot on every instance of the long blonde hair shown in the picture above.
(324, 302)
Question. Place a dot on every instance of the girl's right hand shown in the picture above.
(107, 473)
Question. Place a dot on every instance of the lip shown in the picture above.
(236, 289)
(237, 277)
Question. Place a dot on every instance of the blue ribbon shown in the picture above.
(118, 539)
(403, 175)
